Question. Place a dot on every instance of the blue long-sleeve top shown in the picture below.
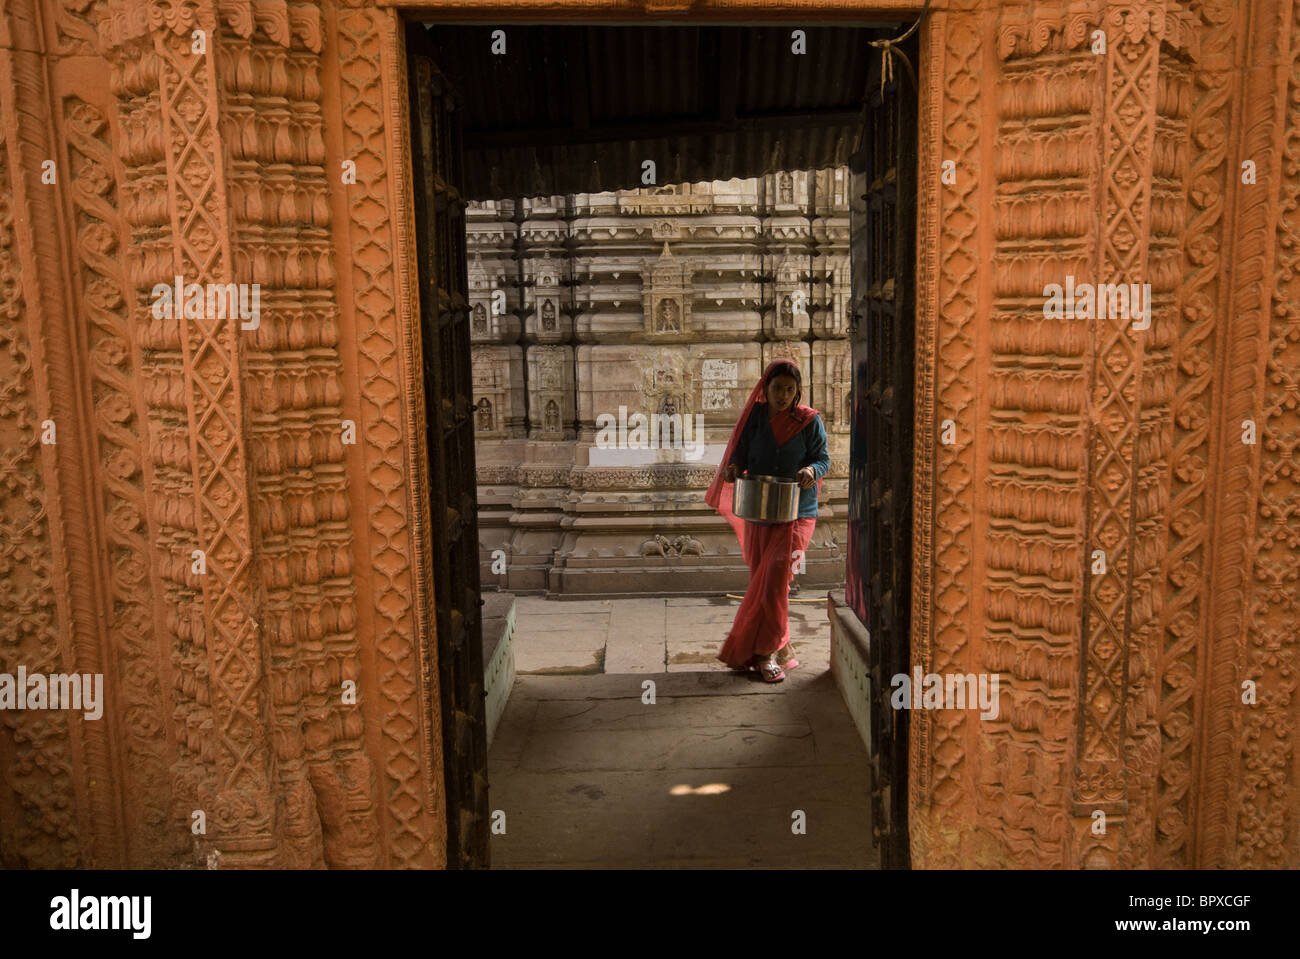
(757, 452)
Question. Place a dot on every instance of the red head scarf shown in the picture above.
(784, 428)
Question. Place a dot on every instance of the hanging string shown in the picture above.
(889, 48)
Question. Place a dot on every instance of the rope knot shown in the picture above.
(889, 47)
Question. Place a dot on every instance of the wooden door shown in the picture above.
(445, 333)
(883, 224)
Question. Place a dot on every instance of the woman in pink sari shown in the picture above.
(775, 436)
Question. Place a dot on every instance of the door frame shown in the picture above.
(930, 376)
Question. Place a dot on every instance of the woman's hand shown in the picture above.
(729, 473)
(805, 477)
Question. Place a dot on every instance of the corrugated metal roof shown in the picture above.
(571, 109)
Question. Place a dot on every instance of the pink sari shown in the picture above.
(762, 622)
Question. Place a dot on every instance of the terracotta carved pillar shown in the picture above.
(165, 57)
(63, 608)
(223, 138)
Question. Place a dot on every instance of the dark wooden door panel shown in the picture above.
(883, 224)
(444, 325)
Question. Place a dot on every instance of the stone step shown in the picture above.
(498, 656)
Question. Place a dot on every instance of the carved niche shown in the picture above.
(545, 323)
(483, 323)
(784, 188)
(790, 318)
(666, 230)
(787, 187)
(550, 391)
(666, 382)
(667, 297)
(788, 351)
(490, 372)
(839, 408)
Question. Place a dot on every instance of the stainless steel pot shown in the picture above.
(765, 499)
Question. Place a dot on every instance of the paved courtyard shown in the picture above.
(646, 635)
(718, 772)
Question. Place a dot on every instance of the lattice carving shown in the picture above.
(367, 97)
(144, 201)
(244, 817)
(1128, 130)
(1184, 609)
(75, 24)
(1266, 781)
(120, 440)
(945, 391)
(40, 819)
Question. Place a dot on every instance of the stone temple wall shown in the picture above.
(668, 299)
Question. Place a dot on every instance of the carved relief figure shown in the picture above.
(667, 408)
(786, 350)
(840, 390)
(785, 188)
(551, 375)
(546, 271)
(552, 422)
(480, 318)
(484, 414)
(548, 316)
(668, 318)
(787, 311)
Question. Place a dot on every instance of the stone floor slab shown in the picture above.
(704, 818)
(626, 653)
(709, 775)
(656, 748)
(581, 659)
(541, 604)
